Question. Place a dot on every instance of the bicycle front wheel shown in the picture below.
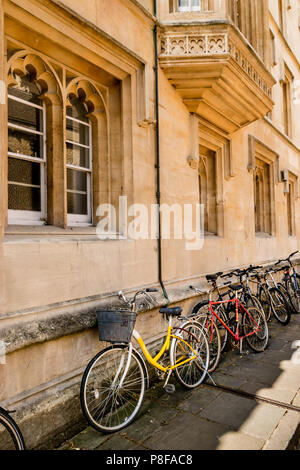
(213, 338)
(255, 328)
(265, 302)
(113, 388)
(280, 306)
(190, 341)
(10, 434)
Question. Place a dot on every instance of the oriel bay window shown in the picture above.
(26, 153)
(79, 163)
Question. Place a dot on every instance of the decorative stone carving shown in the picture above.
(210, 44)
(218, 76)
(24, 63)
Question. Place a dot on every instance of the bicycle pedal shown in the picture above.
(170, 388)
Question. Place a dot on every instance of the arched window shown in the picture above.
(79, 163)
(208, 189)
(262, 197)
(26, 153)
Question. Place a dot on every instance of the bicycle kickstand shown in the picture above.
(242, 353)
(169, 388)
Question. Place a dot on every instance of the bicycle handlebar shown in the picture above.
(199, 291)
(287, 259)
(133, 299)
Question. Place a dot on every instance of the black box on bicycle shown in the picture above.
(115, 326)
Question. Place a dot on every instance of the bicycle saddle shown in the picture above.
(175, 311)
(237, 288)
(213, 277)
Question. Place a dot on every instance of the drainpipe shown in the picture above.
(157, 166)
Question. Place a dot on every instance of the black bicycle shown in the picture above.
(273, 296)
(10, 435)
(291, 281)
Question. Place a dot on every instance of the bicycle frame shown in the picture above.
(238, 304)
(154, 361)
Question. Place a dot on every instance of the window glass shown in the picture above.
(24, 143)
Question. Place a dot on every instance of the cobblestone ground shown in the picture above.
(214, 418)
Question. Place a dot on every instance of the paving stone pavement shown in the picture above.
(211, 418)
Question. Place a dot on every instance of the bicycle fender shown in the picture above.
(200, 304)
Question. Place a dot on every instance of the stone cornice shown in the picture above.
(90, 28)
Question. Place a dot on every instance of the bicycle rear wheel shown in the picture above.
(263, 296)
(190, 335)
(221, 312)
(10, 434)
(112, 389)
(255, 328)
(292, 294)
(280, 306)
(202, 309)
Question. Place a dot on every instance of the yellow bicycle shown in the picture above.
(114, 383)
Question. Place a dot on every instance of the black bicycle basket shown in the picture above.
(115, 326)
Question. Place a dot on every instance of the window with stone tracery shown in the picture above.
(26, 152)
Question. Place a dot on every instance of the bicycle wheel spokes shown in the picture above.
(292, 293)
(265, 302)
(255, 329)
(192, 373)
(213, 338)
(280, 306)
(220, 310)
(110, 398)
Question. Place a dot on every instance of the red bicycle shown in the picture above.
(241, 323)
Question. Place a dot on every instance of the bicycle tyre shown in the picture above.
(275, 296)
(263, 296)
(113, 410)
(258, 341)
(290, 288)
(214, 341)
(254, 300)
(192, 374)
(202, 309)
(10, 435)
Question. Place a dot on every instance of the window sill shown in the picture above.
(211, 235)
(263, 235)
(47, 233)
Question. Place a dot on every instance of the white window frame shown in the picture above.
(190, 7)
(81, 220)
(20, 217)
